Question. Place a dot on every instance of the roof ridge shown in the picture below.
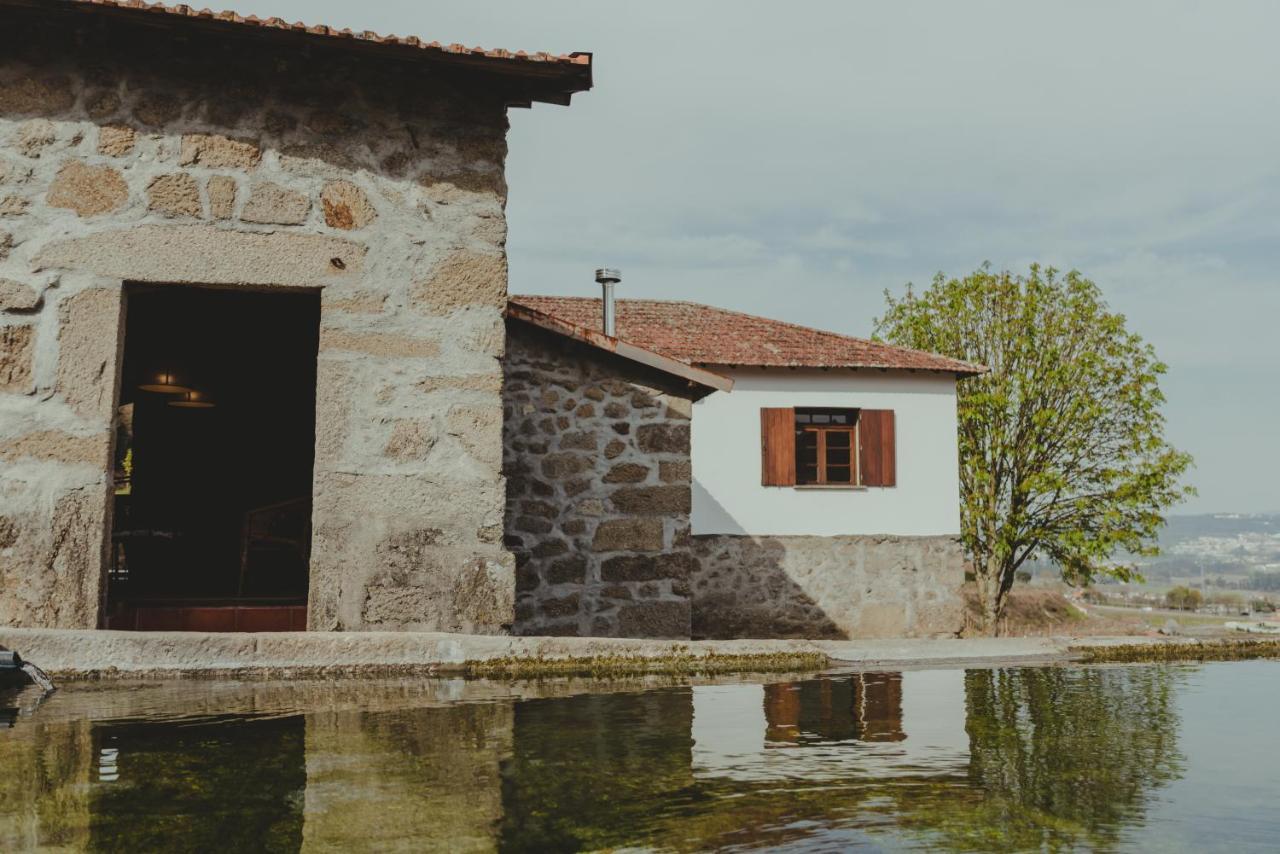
(811, 329)
(633, 301)
(842, 336)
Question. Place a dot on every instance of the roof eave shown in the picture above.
(901, 358)
(551, 80)
(960, 372)
(639, 355)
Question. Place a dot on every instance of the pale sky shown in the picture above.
(796, 159)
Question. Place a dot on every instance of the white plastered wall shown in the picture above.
(730, 735)
(728, 497)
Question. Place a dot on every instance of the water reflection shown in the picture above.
(230, 784)
(1025, 758)
(832, 728)
(1070, 753)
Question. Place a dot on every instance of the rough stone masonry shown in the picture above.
(827, 587)
(133, 155)
(597, 460)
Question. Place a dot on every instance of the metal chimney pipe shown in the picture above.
(607, 279)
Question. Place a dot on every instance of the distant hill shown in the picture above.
(1231, 550)
(1185, 527)
(1221, 543)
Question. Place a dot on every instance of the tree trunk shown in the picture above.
(991, 594)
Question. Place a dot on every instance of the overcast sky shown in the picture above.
(796, 159)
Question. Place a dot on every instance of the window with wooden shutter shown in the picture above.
(878, 452)
(778, 446)
(826, 447)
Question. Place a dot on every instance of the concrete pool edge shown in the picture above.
(88, 654)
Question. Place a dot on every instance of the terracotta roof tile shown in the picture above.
(626, 349)
(704, 335)
(582, 60)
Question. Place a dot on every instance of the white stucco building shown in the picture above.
(823, 494)
(883, 725)
(729, 493)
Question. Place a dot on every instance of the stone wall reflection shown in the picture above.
(218, 783)
(44, 785)
(417, 779)
(372, 767)
(596, 770)
(978, 760)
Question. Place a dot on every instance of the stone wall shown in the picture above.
(597, 463)
(826, 587)
(598, 473)
(128, 154)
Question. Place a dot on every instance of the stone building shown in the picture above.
(259, 370)
(598, 480)
(709, 474)
(252, 282)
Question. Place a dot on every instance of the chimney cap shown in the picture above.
(608, 274)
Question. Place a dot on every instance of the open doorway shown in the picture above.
(215, 446)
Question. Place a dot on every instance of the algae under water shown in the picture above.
(1135, 757)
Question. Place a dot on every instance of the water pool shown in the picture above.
(1151, 757)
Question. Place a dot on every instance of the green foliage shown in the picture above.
(1208, 649)
(1060, 759)
(1045, 790)
(1184, 598)
(1062, 448)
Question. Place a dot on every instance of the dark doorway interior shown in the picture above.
(215, 450)
(216, 783)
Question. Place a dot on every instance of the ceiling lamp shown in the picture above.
(193, 399)
(165, 382)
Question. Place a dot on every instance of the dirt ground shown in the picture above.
(1033, 612)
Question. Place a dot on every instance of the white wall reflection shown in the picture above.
(897, 724)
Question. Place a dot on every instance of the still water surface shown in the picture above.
(1151, 758)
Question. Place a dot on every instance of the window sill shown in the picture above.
(838, 487)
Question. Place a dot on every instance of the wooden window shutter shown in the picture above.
(778, 446)
(877, 448)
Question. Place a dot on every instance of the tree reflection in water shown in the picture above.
(1068, 756)
(1046, 758)
(980, 760)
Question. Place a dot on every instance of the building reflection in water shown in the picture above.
(418, 769)
(401, 770)
(1050, 757)
(832, 726)
(865, 707)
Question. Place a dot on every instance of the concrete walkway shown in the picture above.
(98, 654)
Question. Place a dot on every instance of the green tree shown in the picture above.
(1184, 598)
(1062, 448)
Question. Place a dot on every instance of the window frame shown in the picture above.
(821, 432)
